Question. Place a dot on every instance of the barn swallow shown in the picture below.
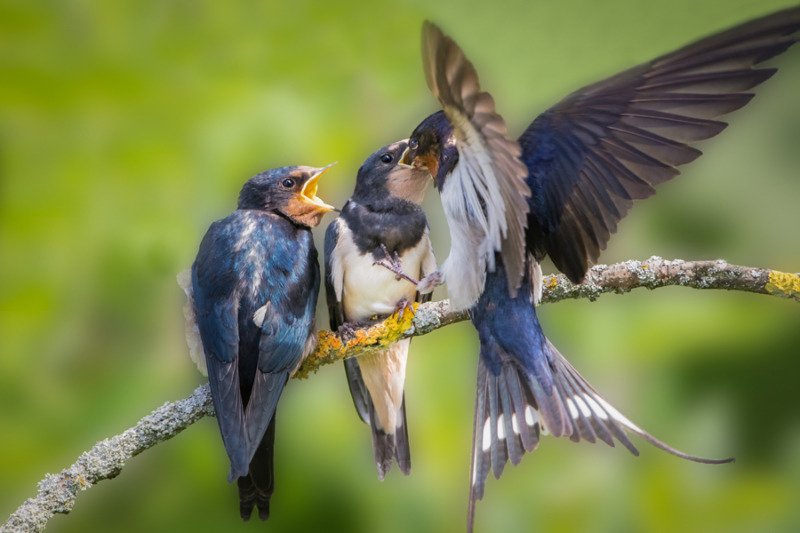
(382, 219)
(255, 284)
(560, 190)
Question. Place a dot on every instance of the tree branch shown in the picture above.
(601, 279)
(57, 493)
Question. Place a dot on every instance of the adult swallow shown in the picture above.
(560, 190)
(381, 221)
(255, 284)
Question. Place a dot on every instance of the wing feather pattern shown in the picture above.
(610, 143)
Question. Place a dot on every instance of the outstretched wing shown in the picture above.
(610, 143)
(489, 177)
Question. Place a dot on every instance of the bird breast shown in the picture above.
(368, 289)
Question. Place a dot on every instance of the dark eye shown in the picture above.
(288, 183)
(413, 143)
(387, 158)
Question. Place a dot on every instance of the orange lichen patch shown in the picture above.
(784, 285)
(331, 349)
(552, 284)
(328, 342)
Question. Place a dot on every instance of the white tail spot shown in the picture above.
(487, 435)
(501, 428)
(514, 425)
(573, 412)
(582, 406)
(595, 407)
(531, 416)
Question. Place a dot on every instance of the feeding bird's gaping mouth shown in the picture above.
(309, 191)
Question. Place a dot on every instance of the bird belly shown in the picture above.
(370, 290)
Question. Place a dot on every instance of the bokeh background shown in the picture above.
(127, 127)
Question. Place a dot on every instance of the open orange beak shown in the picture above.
(309, 192)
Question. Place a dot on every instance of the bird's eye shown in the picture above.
(387, 158)
(288, 183)
(413, 143)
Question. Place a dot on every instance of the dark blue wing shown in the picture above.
(216, 306)
(610, 143)
(286, 308)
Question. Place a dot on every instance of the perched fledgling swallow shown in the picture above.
(254, 288)
(382, 217)
(560, 190)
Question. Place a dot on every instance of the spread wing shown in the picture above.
(610, 143)
(489, 176)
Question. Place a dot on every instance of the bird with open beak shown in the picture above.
(560, 190)
(382, 219)
(253, 293)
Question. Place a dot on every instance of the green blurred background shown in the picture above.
(127, 127)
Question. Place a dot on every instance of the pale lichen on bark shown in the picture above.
(57, 492)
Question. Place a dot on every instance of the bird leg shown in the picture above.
(392, 263)
(403, 306)
(347, 330)
(430, 282)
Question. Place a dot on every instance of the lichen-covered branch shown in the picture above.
(57, 493)
(657, 272)
(601, 279)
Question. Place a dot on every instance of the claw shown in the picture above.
(347, 330)
(430, 282)
(392, 262)
(403, 306)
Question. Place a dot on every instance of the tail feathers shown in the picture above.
(507, 425)
(386, 446)
(593, 416)
(252, 422)
(223, 381)
(256, 488)
(358, 389)
(512, 410)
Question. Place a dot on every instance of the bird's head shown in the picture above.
(291, 191)
(385, 172)
(432, 147)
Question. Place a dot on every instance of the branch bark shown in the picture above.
(57, 492)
